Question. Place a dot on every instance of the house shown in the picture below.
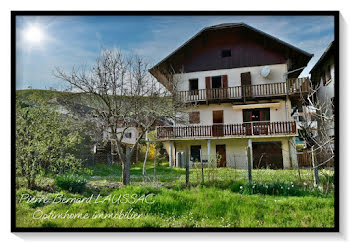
(239, 86)
(323, 81)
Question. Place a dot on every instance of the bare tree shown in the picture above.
(320, 136)
(124, 95)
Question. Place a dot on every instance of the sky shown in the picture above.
(46, 42)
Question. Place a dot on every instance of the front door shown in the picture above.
(267, 154)
(218, 120)
(221, 151)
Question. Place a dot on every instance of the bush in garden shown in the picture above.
(44, 142)
(274, 188)
(71, 183)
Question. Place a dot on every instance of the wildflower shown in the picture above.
(281, 187)
(292, 185)
(241, 187)
(288, 188)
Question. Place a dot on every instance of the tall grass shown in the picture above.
(199, 206)
(276, 198)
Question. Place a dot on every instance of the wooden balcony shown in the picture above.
(292, 88)
(246, 129)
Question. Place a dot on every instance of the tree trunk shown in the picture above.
(126, 168)
(137, 153)
(125, 161)
(144, 164)
(112, 151)
(314, 165)
(30, 182)
(155, 166)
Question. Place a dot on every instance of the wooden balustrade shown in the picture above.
(222, 130)
(291, 87)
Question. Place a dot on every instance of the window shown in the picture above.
(194, 117)
(226, 53)
(193, 86)
(260, 114)
(216, 82)
(128, 135)
(196, 153)
(301, 118)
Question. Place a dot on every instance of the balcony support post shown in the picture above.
(208, 150)
(250, 159)
(293, 153)
(171, 153)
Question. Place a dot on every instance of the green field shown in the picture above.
(225, 199)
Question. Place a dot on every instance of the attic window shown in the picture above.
(225, 53)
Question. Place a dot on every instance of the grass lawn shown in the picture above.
(224, 200)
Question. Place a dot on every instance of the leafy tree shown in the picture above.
(44, 143)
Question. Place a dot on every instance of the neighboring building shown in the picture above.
(306, 120)
(240, 86)
(323, 80)
(130, 135)
(101, 133)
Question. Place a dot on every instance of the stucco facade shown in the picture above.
(277, 74)
(236, 148)
(323, 78)
(239, 86)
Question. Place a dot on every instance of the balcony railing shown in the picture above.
(231, 130)
(290, 87)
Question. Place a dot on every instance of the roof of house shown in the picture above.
(325, 54)
(234, 25)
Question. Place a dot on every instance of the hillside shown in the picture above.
(31, 96)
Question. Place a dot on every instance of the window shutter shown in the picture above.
(194, 117)
(224, 81)
(207, 86)
(207, 82)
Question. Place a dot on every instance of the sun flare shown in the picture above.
(34, 34)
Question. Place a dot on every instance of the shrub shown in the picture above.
(71, 183)
(274, 188)
(45, 142)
